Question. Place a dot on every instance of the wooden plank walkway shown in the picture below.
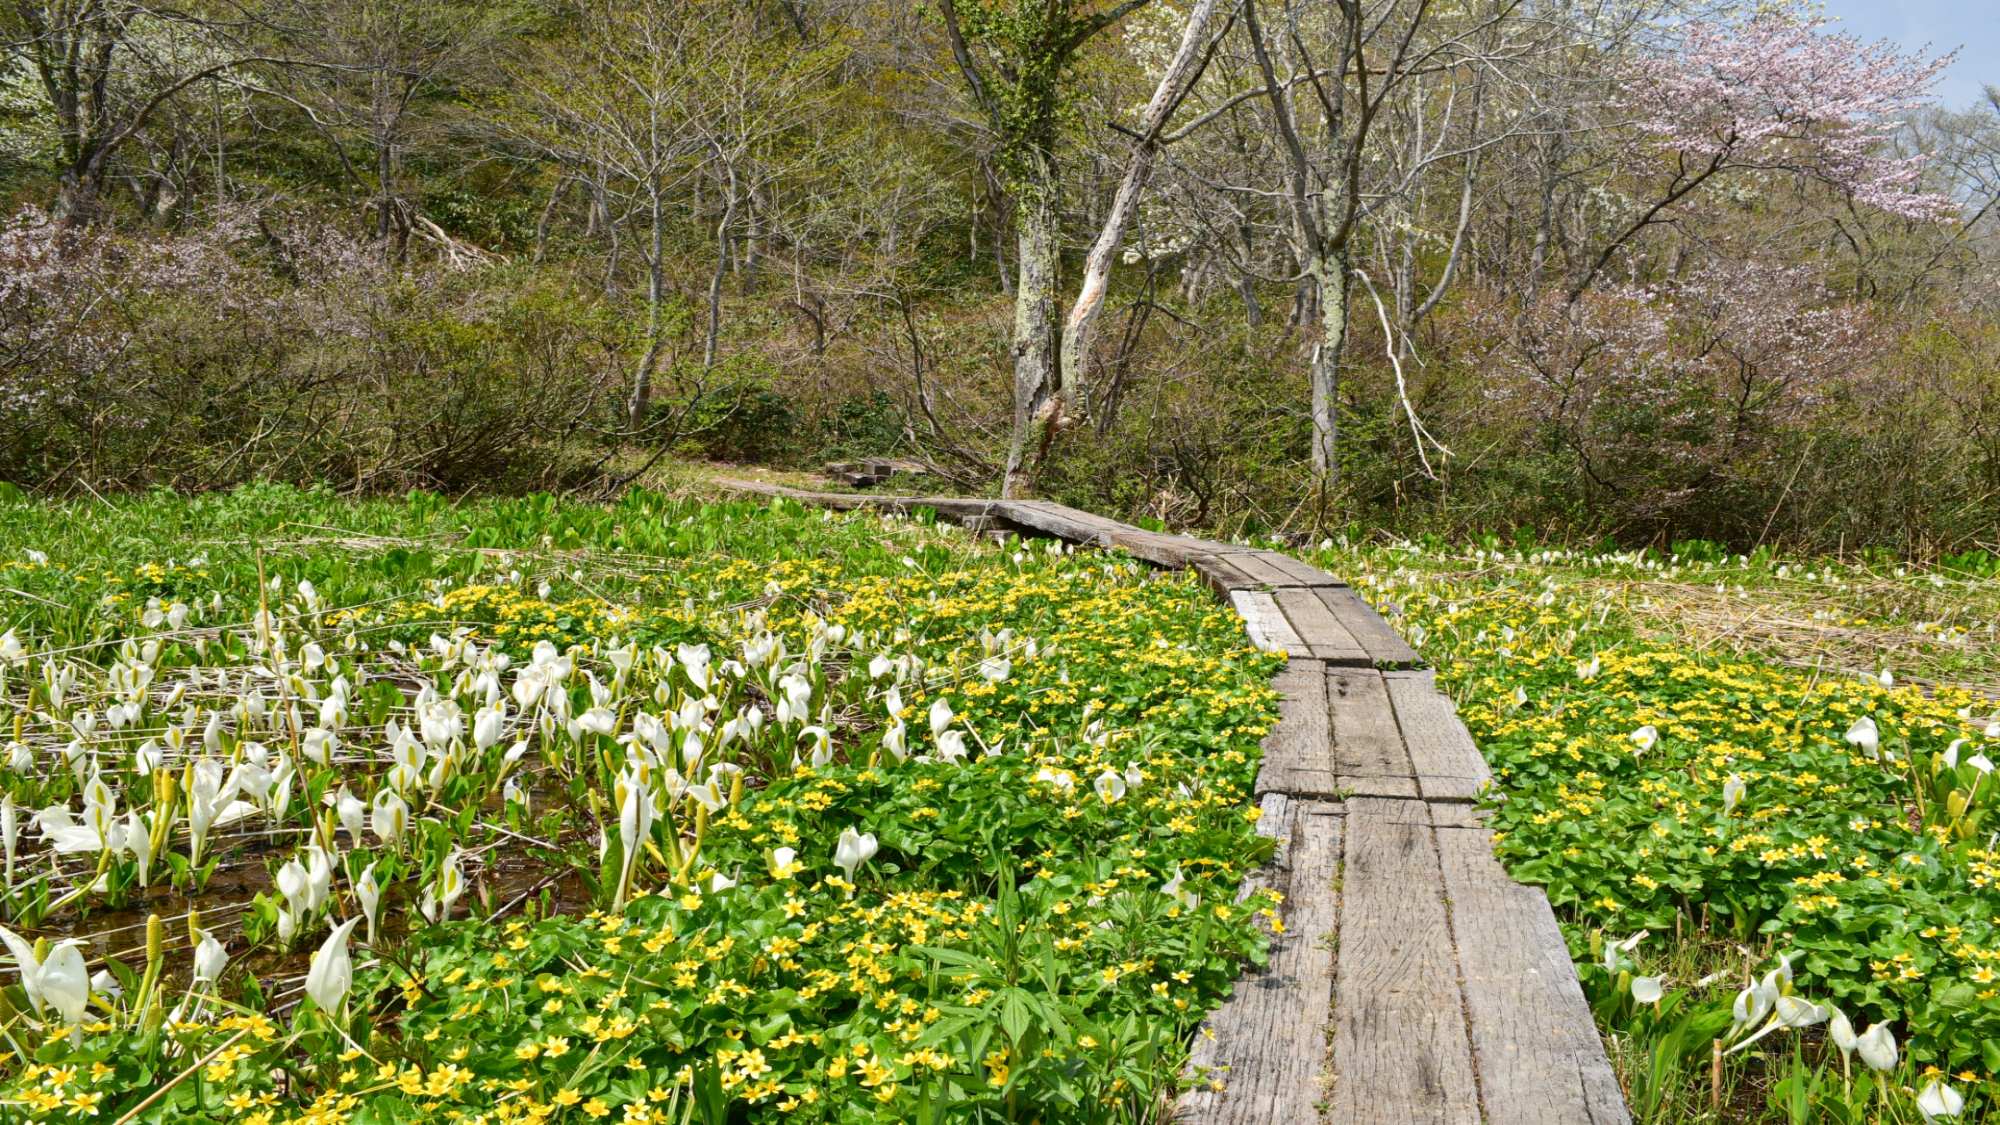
(1413, 980)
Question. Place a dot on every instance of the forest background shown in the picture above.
(1643, 270)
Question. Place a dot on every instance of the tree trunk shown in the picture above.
(1182, 70)
(1330, 276)
(722, 256)
(642, 380)
(1038, 242)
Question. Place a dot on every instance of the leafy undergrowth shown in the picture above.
(519, 811)
(1757, 860)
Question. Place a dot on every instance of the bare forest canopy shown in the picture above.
(1647, 269)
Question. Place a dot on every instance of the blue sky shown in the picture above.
(1971, 26)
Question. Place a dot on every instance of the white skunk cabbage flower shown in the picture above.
(331, 973)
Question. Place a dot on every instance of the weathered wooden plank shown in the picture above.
(1534, 1043)
(1265, 1047)
(1160, 548)
(1382, 644)
(1066, 524)
(1393, 810)
(1222, 575)
(1456, 814)
(1298, 753)
(949, 507)
(1325, 637)
(1265, 622)
(1400, 1051)
(1259, 569)
(1448, 764)
(1367, 746)
(1293, 571)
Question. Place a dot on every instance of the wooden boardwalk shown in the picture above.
(1413, 980)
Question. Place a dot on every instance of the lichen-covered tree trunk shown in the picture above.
(1036, 344)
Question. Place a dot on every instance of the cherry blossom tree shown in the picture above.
(1777, 96)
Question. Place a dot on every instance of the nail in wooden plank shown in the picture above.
(1325, 637)
(1533, 1040)
(1448, 763)
(1266, 1046)
(1265, 622)
(1400, 1050)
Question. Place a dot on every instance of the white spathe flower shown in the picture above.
(292, 884)
(353, 814)
(370, 893)
(1587, 670)
(59, 981)
(1865, 737)
(1796, 1012)
(1981, 763)
(1645, 738)
(853, 850)
(951, 746)
(995, 669)
(822, 745)
(1878, 1047)
(1110, 787)
(598, 720)
(1840, 1031)
(1939, 1100)
(390, 816)
(331, 973)
(784, 862)
(941, 716)
(1751, 1005)
(895, 740)
(488, 724)
(210, 958)
(635, 826)
(1732, 793)
(1647, 990)
(65, 982)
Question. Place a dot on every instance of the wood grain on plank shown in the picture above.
(1298, 753)
(1325, 637)
(1223, 576)
(1267, 1044)
(1384, 646)
(1447, 761)
(1054, 519)
(1400, 1050)
(1260, 569)
(1297, 571)
(1366, 741)
(1159, 548)
(1265, 622)
(1533, 1039)
(951, 507)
